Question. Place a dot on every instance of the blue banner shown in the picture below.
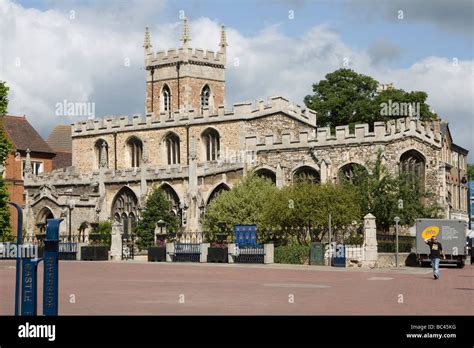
(245, 234)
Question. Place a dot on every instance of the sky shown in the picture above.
(91, 51)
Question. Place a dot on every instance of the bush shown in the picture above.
(104, 228)
(292, 254)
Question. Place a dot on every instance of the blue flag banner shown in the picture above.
(245, 234)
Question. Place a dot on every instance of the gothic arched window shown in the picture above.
(166, 100)
(350, 173)
(266, 174)
(205, 97)
(211, 140)
(307, 174)
(125, 209)
(135, 148)
(412, 166)
(172, 148)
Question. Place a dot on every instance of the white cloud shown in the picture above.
(83, 60)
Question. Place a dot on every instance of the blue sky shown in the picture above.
(278, 55)
(359, 23)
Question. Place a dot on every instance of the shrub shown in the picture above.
(292, 254)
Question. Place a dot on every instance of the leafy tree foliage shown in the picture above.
(157, 207)
(301, 209)
(470, 171)
(304, 208)
(380, 193)
(346, 97)
(5, 149)
(244, 204)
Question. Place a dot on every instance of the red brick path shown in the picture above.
(155, 288)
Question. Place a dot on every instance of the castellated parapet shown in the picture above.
(322, 137)
(185, 55)
(239, 111)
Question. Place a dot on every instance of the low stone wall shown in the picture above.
(388, 260)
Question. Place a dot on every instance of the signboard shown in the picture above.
(245, 234)
(450, 233)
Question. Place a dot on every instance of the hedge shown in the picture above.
(292, 254)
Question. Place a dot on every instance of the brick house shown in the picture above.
(27, 143)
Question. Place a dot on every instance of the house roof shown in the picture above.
(62, 160)
(23, 135)
(60, 138)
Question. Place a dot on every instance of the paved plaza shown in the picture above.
(136, 287)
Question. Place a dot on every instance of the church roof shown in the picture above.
(60, 138)
(23, 135)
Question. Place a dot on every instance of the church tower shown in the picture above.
(184, 79)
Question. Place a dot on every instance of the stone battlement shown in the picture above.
(186, 55)
(71, 176)
(382, 132)
(239, 111)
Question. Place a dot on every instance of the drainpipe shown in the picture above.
(178, 65)
(152, 88)
(187, 144)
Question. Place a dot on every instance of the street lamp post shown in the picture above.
(397, 220)
(71, 206)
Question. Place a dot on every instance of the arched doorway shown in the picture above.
(42, 219)
(125, 209)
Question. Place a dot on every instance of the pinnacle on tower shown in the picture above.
(185, 36)
(223, 43)
(147, 43)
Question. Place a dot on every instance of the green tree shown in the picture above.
(343, 97)
(400, 97)
(104, 228)
(380, 193)
(346, 97)
(470, 171)
(157, 207)
(303, 210)
(5, 149)
(244, 204)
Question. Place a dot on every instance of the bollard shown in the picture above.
(29, 287)
(50, 280)
(26, 282)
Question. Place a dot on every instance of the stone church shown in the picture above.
(193, 147)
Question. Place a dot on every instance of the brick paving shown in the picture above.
(129, 288)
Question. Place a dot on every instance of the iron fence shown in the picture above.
(250, 254)
(386, 243)
(187, 252)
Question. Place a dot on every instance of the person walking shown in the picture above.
(436, 250)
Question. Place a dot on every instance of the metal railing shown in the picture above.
(187, 252)
(250, 254)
